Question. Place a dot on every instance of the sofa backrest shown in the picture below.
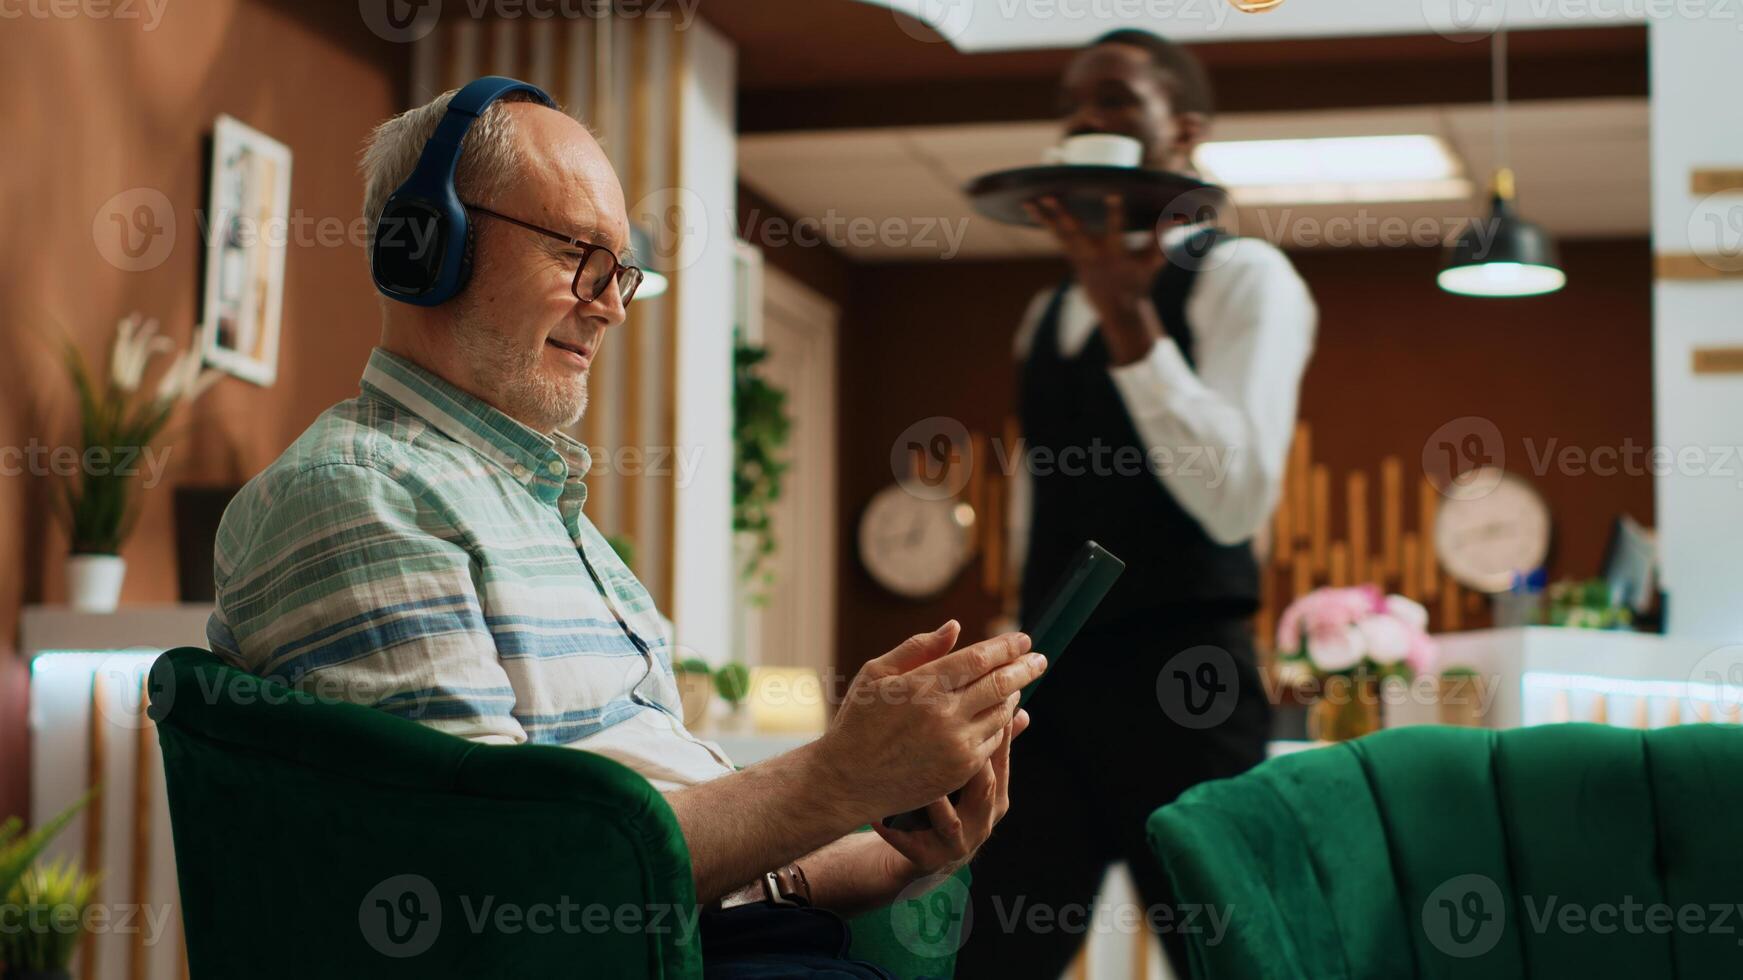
(327, 839)
(1550, 851)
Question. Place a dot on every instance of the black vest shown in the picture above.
(1094, 479)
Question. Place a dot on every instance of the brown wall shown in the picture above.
(95, 107)
(1396, 358)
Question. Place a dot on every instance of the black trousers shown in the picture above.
(779, 942)
(1129, 718)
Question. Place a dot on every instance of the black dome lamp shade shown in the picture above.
(1502, 255)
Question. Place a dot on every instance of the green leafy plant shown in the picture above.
(17, 853)
(761, 429)
(116, 424)
(45, 908)
(624, 546)
(732, 683)
(1586, 605)
(692, 665)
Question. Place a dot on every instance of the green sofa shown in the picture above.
(322, 839)
(1552, 851)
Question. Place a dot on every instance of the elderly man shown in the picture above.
(422, 548)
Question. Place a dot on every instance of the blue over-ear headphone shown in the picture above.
(423, 243)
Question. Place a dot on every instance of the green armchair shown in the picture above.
(1555, 851)
(324, 839)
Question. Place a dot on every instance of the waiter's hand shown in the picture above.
(1115, 278)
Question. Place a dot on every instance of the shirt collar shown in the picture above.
(542, 462)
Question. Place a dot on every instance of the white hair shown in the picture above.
(490, 159)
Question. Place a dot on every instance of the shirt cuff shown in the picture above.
(1160, 383)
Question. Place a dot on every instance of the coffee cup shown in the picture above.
(1097, 150)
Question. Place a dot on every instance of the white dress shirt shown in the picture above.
(1223, 431)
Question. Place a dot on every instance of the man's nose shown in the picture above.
(609, 305)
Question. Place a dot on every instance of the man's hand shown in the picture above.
(921, 721)
(957, 830)
(1115, 278)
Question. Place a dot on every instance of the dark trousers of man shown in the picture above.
(1126, 720)
(776, 942)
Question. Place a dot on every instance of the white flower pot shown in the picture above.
(94, 582)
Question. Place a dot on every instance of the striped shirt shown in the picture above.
(420, 552)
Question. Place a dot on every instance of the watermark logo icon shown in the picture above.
(933, 458)
(937, 20)
(932, 916)
(135, 230)
(1198, 687)
(400, 21)
(1465, 916)
(1464, 20)
(401, 917)
(677, 222)
(1717, 678)
(1465, 458)
(1716, 230)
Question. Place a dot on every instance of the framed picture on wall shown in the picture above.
(246, 231)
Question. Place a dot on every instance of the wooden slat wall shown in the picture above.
(623, 78)
(1388, 541)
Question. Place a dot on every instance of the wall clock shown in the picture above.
(1493, 526)
(913, 546)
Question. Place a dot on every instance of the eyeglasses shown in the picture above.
(598, 267)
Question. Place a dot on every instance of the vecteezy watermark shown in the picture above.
(950, 20)
(402, 917)
(1465, 457)
(1199, 687)
(148, 12)
(40, 459)
(98, 918)
(934, 459)
(1715, 230)
(1718, 678)
(1076, 918)
(135, 230)
(1465, 916)
(1362, 228)
(405, 21)
(1473, 20)
(934, 236)
(932, 916)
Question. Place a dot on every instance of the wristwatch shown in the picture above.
(782, 886)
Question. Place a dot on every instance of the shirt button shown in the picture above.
(555, 467)
(522, 473)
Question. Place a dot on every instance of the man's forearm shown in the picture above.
(856, 874)
(757, 819)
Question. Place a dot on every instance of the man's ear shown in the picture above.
(1190, 129)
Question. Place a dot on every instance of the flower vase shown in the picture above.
(94, 582)
(1346, 710)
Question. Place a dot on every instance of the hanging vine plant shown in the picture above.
(760, 431)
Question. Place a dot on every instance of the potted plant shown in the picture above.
(1463, 692)
(1348, 640)
(761, 428)
(732, 683)
(117, 424)
(17, 855)
(695, 689)
(46, 911)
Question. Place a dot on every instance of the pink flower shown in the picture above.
(1388, 639)
(1335, 648)
(1340, 628)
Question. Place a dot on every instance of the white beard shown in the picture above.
(516, 380)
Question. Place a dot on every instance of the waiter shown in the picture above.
(1157, 395)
